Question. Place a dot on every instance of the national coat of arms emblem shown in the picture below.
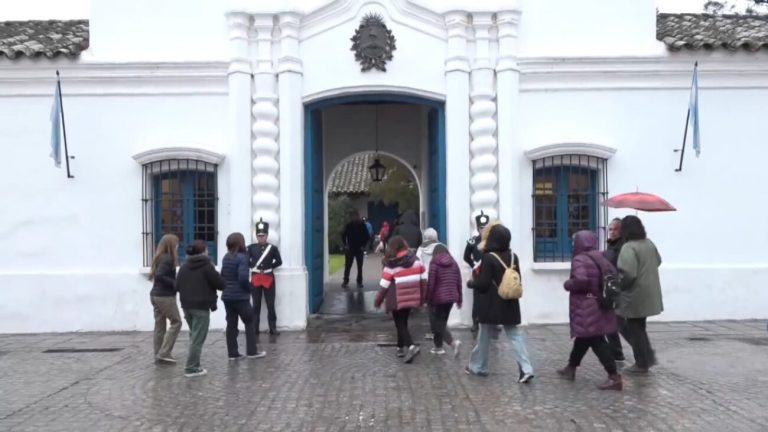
(373, 43)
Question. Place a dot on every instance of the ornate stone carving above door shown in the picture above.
(373, 43)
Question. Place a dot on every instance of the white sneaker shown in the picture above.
(239, 357)
(429, 336)
(168, 359)
(456, 345)
(197, 373)
(258, 355)
(413, 351)
(437, 351)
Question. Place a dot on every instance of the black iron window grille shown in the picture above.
(567, 194)
(179, 196)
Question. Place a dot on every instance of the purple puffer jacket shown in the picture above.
(587, 318)
(444, 281)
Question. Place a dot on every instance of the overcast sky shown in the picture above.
(70, 9)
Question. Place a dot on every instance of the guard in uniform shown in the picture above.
(263, 259)
(473, 255)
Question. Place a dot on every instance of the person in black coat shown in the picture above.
(197, 283)
(492, 310)
(355, 239)
(263, 259)
(615, 242)
(409, 230)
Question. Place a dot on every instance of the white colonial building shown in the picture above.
(202, 117)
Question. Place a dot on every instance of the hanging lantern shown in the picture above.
(377, 171)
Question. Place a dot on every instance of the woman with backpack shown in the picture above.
(443, 290)
(496, 264)
(197, 282)
(590, 322)
(409, 277)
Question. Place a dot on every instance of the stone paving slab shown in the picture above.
(712, 376)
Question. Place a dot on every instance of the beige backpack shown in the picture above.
(510, 287)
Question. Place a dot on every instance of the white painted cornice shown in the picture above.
(716, 71)
(164, 153)
(37, 78)
(569, 148)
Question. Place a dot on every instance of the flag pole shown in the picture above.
(63, 125)
(687, 120)
(682, 151)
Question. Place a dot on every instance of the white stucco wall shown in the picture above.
(714, 259)
(72, 247)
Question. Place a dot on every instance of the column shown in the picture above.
(483, 163)
(292, 302)
(238, 135)
(266, 167)
(510, 149)
(457, 143)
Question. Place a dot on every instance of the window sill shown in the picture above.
(551, 266)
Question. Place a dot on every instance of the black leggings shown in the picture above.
(401, 323)
(439, 321)
(599, 346)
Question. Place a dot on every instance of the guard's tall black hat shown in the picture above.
(482, 220)
(262, 227)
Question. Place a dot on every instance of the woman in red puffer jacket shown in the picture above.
(403, 284)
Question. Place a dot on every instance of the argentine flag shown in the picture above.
(56, 127)
(693, 106)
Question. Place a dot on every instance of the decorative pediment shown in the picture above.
(164, 153)
(582, 148)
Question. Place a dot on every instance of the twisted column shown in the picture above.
(266, 166)
(483, 163)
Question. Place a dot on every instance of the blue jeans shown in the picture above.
(478, 359)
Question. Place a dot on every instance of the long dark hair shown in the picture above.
(395, 245)
(632, 228)
(236, 243)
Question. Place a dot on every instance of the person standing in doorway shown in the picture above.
(443, 291)
(354, 238)
(640, 298)
(589, 322)
(409, 230)
(615, 242)
(369, 227)
(198, 282)
(492, 310)
(237, 298)
(409, 277)
(383, 235)
(163, 297)
(263, 259)
(473, 256)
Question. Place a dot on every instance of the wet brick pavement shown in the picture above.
(712, 376)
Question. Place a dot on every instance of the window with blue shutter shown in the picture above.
(180, 197)
(567, 195)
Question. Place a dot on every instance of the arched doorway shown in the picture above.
(351, 193)
(413, 130)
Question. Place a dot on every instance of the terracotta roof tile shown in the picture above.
(352, 176)
(50, 38)
(697, 31)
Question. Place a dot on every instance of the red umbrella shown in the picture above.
(639, 201)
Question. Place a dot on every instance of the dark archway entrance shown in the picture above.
(434, 168)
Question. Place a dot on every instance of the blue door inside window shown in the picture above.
(314, 179)
(185, 205)
(565, 202)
